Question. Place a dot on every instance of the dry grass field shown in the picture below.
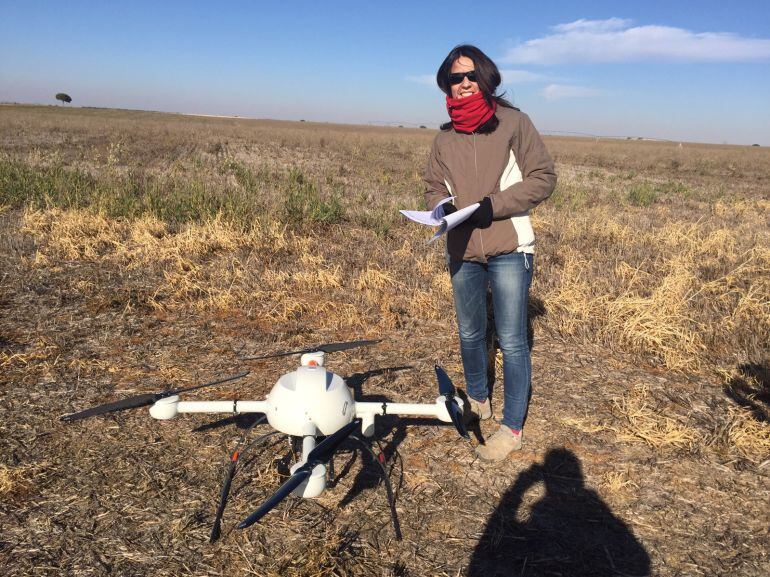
(140, 251)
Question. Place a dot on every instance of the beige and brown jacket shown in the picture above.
(510, 165)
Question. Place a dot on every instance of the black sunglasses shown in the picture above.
(457, 77)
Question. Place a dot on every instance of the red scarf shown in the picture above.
(469, 113)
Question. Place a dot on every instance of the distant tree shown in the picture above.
(64, 97)
(423, 126)
(755, 145)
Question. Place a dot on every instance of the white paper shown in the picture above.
(429, 217)
(436, 217)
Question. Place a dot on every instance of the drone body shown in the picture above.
(308, 402)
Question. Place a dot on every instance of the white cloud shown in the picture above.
(593, 25)
(521, 76)
(566, 91)
(426, 79)
(615, 40)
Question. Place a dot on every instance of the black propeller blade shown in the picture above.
(447, 389)
(326, 348)
(143, 400)
(445, 385)
(283, 491)
(320, 455)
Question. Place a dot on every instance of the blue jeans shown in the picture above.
(509, 276)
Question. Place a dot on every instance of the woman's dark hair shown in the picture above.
(487, 77)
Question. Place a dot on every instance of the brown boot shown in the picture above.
(482, 411)
(500, 445)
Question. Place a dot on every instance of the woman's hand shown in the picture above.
(482, 216)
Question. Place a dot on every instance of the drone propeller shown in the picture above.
(141, 400)
(320, 455)
(447, 389)
(326, 348)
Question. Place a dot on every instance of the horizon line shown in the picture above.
(379, 123)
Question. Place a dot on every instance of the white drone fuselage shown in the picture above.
(307, 402)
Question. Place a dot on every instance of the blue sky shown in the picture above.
(695, 70)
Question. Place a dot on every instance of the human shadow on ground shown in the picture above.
(751, 389)
(568, 531)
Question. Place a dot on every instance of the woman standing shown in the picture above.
(489, 153)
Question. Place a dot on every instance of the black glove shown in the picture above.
(449, 208)
(482, 216)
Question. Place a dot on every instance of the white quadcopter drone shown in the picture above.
(308, 402)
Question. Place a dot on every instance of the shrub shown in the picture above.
(303, 202)
(642, 195)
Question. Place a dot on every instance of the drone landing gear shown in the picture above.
(386, 481)
(289, 486)
(234, 458)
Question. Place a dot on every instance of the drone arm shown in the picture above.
(222, 406)
(170, 407)
(417, 409)
(368, 410)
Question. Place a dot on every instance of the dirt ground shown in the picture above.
(143, 251)
(127, 495)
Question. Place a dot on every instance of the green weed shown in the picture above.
(642, 195)
(304, 202)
